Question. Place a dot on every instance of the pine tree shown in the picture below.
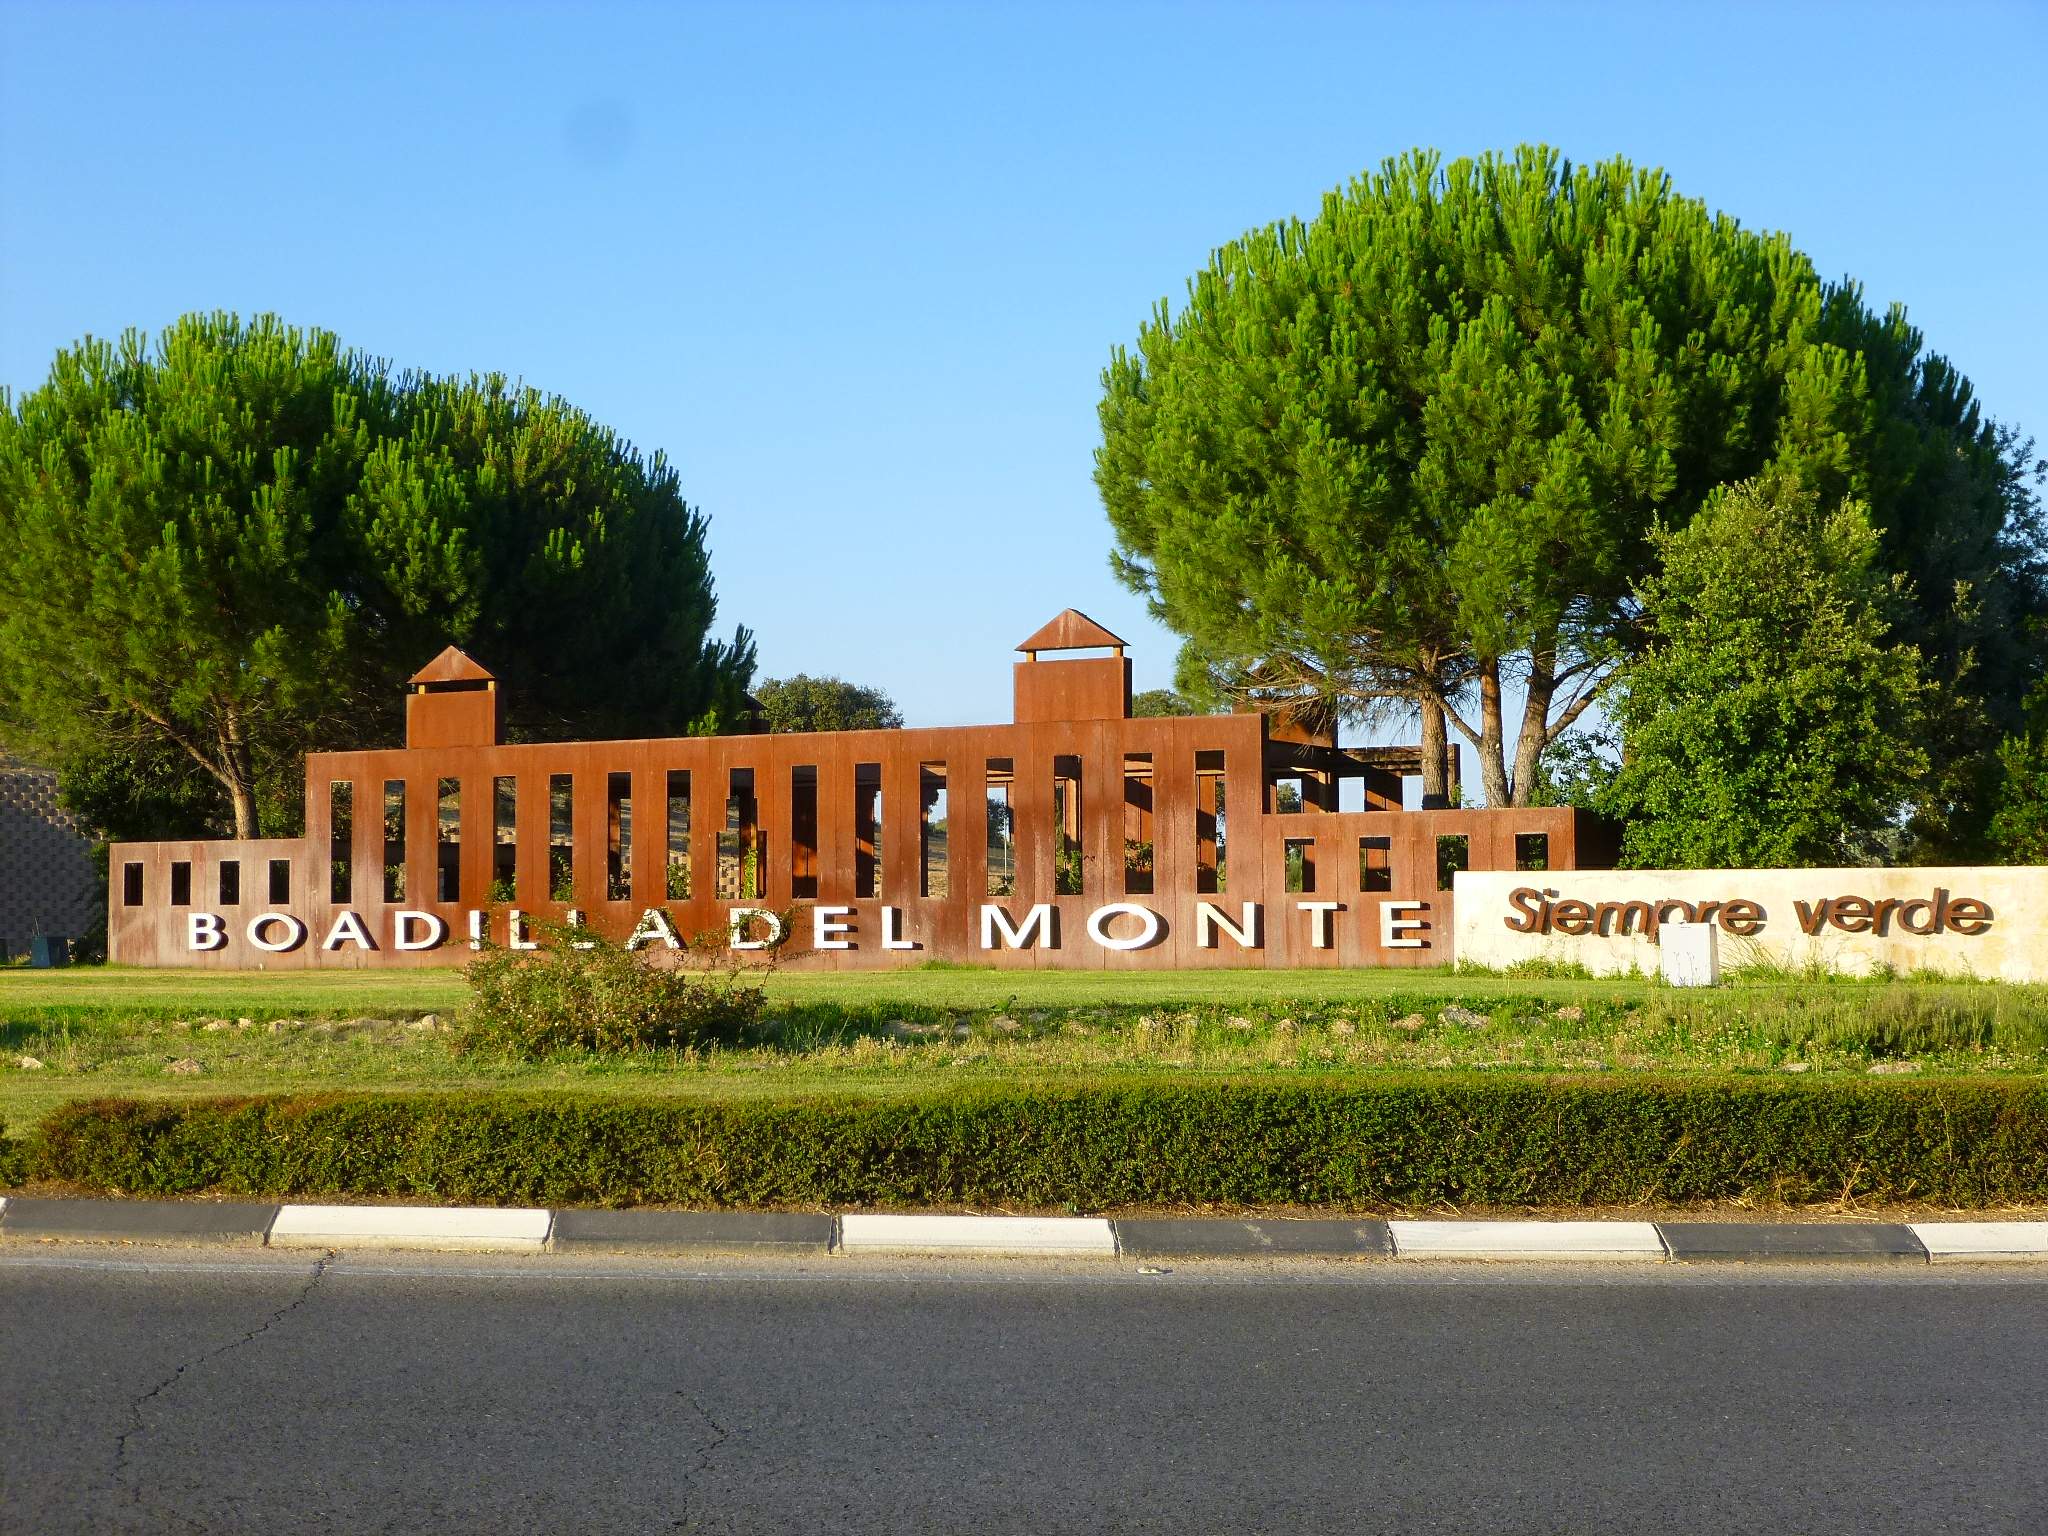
(237, 543)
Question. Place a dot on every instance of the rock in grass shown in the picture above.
(1571, 1013)
(184, 1066)
(1893, 1068)
(1465, 1016)
(28, 1064)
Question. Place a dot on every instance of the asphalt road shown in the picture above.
(150, 1391)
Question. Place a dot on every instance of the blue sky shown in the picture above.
(856, 268)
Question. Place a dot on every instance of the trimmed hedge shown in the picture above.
(1342, 1144)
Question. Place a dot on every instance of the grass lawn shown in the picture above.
(99, 1031)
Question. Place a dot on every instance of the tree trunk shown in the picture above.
(1492, 763)
(1535, 735)
(1436, 756)
(239, 776)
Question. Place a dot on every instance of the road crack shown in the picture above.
(137, 1410)
(720, 1435)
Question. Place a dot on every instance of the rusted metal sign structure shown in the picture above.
(1076, 836)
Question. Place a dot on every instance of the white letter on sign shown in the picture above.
(654, 924)
(1393, 925)
(1245, 930)
(827, 926)
(516, 934)
(892, 930)
(1037, 926)
(203, 931)
(348, 929)
(294, 932)
(1319, 920)
(1098, 925)
(742, 916)
(403, 937)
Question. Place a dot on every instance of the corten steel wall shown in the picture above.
(154, 932)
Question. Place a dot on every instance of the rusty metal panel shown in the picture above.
(1090, 688)
(945, 927)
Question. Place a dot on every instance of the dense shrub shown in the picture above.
(1395, 1142)
(582, 990)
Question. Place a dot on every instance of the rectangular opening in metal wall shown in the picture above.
(1068, 861)
(618, 837)
(448, 840)
(1453, 853)
(561, 837)
(1139, 853)
(181, 883)
(803, 830)
(341, 840)
(677, 883)
(229, 882)
(867, 829)
(740, 843)
(1298, 855)
(932, 873)
(505, 839)
(1532, 850)
(394, 839)
(1212, 873)
(1375, 864)
(1288, 794)
(280, 882)
(1002, 828)
(131, 885)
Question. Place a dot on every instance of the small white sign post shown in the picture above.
(1687, 954)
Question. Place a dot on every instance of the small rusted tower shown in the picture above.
(454, 703)
(1078, 688)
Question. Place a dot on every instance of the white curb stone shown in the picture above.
(1966, 1240)
(471, 1228)
(1635, 1240)
(1065, 1235)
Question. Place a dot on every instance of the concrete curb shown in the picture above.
(1950, 1242)
(1041, 1236)
(470, 1228)
(153, 1221)
(690, 1232)
(1199, 1237)
(533, 1230)
(1751, 1242)
(1634, 1241)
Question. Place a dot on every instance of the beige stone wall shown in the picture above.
(2006, 906)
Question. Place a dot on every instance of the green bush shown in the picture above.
(1396, 1142)
(584, 991)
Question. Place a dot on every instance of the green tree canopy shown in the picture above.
(1161, 703)
(806, 703)
(1773, 721)
(1411, 452)
(237, 542)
